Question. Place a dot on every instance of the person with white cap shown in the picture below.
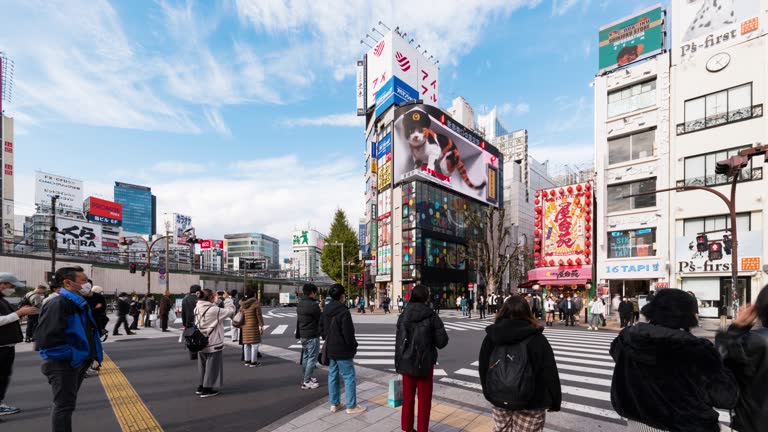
(98, 305)
(10, 335)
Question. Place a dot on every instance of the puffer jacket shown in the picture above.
(210, 321)
(670, 379)
(745, 353)
(253, 321)
(308, 319)
(420, 323)
(338, 335)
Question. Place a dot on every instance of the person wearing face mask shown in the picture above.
(209, 318)
(69, 342)
(10, 335)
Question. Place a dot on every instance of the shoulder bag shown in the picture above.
(323, 358)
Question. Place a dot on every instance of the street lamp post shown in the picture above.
(129, 240)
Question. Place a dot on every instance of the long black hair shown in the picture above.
(516, 308)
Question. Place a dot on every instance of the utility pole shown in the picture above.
(167, 265)
(53, 234)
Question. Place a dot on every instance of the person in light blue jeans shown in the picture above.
(345, 368)
(310, 350)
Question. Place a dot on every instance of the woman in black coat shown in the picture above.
(515, 325)
(745, 352)
(666, 378)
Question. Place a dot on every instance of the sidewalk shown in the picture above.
(708, 327)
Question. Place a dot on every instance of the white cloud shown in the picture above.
(562, 7)
(217, 122)
(346, 120)
(447, 32)
(516, 109)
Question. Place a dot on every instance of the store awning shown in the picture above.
(561, 275)
(563, 282)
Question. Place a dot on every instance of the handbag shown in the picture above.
(195, 340)
(238, 320)
(323, 358)
(395, 398)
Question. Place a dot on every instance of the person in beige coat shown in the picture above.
(252, 329)
(209, 319)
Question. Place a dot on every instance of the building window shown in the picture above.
(632, 243)
(716, 109)
(694, 226)
(616, 194)
(631, 98)
(700, 170)
(632, 147)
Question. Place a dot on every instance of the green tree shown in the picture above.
(330, 262)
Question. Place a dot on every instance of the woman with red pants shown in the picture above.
(420, 333)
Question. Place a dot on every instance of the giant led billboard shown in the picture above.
(563, 226)
(107, 212)
(430, 145)
(632, 38)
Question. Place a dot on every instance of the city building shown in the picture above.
(632, 155)
(462, 112)
(253, 247)
(490, 126)
(211, 255)
(307, 250)
(718, 93)
(109, 215)
(139, 208)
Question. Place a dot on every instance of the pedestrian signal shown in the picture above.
(715, 251)
(701, 243)
(727, 244)
(133, 267)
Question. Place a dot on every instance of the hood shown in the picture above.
(643, 343)
(334, 308)
(245, 304)
(507, 332)
(416, 312)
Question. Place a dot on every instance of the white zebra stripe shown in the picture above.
(279, 329)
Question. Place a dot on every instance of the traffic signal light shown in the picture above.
(701, 242)
(133, 267)
(727, 244)
(715, 251)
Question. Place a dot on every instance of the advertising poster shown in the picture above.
(385, 204)
(77, 235)
(563, 225)
(630, 39)
(177, 223)
(385, 171)
(430, 145)
(379, 67)
(360, 74)
(706, 27)
(106, 212)
(689, 260)
(69, 190)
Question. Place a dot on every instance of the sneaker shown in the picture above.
(8, 410)
(247, 364)
(335, 408)
(254, 364)
(313, 379)
(199, 390)
(309, 385)
(356, 410)
(209, 392)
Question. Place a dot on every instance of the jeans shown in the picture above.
(424, 387)
(310, 349)
(251, 353)
(464, 310)
(347, 370)
(7, 356)
(595, 320)
(65, 382)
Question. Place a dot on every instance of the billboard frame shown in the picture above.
(627, 19)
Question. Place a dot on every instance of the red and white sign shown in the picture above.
(563, 226)
(471, 286)
(9, 147)
(104, 208)
(212, 244)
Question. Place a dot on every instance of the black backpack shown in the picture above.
(510, 383)
(415, 352)
(194, 339)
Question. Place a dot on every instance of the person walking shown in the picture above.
(596, 309)
(635, 311)
(481, 306)
(665, 378)
(209, 319)
(123, 309)
(338, 331)
(136, 310)
(420, 333)
(10, 335)
(308, 331)
(625, 312)
(399, 305)
(252, 329)
(33, 298)
(499, 301)
(140, 305)
(385, 305)
(521, 391)
(69, 342)
(464, 304)
(458, 305)
(149, 310)
(52, 295)
(470, 306)
(98, 305)
(549, 310)
(163, 310)
(360, 305)
(745, 353)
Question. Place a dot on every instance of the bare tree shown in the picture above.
(490, 245)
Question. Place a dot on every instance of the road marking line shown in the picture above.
(581, 361)
(376, 335)
(477, 363)
(373, 361)
(568, 347)
(440, 372)
(279, 329)
(584, 344)
(608, 372)
(131, 412)
(462, 383)
(577, 354)
(586, 393)
(585, 380)
(453, 327)
(468, 372)
(590, 410)
(379, 354)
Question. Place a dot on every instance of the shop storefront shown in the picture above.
(632, 278)
(562, 280)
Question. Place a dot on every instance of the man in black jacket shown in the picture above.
(338, 331)
(123, 308)
(188, 307)
(308, 330)
(98, 305)
(625, 312)
(10, 335)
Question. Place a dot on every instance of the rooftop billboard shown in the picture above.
(632, 38)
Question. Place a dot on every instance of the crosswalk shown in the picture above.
(273, 314)
(467, 325)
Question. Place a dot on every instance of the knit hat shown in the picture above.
(672, 308)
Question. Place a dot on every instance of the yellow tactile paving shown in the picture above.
(131, 412)
(443, 414)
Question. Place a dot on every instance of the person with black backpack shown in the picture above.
(518, 372)
(420, 333)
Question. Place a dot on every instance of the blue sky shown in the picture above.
(240, 113)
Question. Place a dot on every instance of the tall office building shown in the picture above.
(490, 126)
(462, 112)
(253, 246)
(139, 208)
(307, 249)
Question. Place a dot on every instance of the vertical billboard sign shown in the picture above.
(176, 224)
(361, 105)
(430, 145)
(633, 38)
(69, 190)
(384, 152)
(77, 235)
(379, 68)
(704, 27)
(563, 226)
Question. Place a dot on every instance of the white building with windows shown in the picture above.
(632, 156)
(462, 112)
(490, 126)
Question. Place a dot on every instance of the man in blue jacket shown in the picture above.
(69, 342)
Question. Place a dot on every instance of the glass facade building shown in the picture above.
(138, 208)
(253, 245)
(434, 240)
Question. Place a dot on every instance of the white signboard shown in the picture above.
(78, 235)
(69, 190)
(379, 67)
(706, 27)
(361, 106)
(689, 260)
(177, 223)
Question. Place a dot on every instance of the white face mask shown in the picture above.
(85, 289)
(8, 291)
